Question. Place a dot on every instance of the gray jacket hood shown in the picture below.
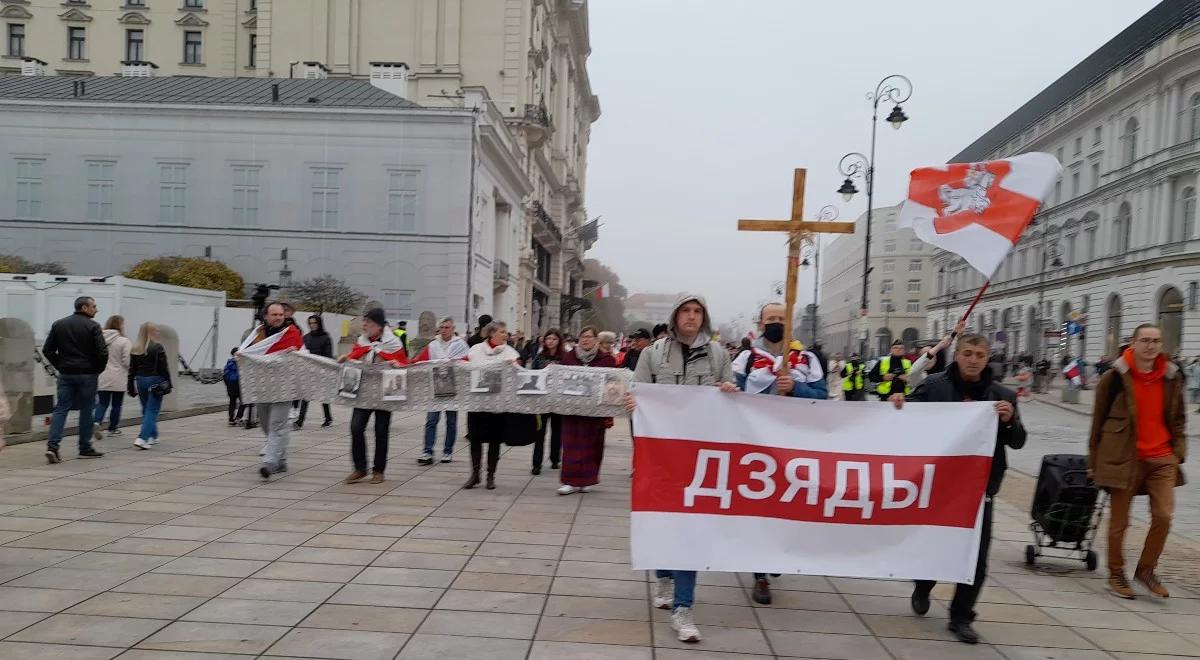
(706, 332)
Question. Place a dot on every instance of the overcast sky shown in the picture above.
(708, 105)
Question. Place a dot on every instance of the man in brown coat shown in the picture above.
(1136, 446)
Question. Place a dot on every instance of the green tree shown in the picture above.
(193, 272)
(326, 294)
(11, 263)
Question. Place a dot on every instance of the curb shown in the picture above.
(43, 433)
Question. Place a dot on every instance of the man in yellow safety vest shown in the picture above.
(890, 369)
(852, 379)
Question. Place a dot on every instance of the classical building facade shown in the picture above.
(1116, 244)
(899, 287)
(418, 208)
(530, 57)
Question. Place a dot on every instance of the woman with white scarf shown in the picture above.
(485, 427)
(377, 343)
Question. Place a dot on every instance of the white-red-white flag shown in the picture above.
(978, 210)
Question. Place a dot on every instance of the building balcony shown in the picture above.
(500, 275)
(544, 228)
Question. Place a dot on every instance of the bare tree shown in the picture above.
(326, 293)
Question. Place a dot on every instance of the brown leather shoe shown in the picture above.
(1120, 586)
(1150, 581)
(376, 477)
(355, 477)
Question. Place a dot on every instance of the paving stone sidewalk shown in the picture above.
(183, 553)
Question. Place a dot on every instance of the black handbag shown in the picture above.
(164, 388)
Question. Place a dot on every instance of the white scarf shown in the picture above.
(484, 353)
(454, 348)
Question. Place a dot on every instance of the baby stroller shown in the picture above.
(1067, 509)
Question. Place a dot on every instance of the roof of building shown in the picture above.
(293, 92)
(1134, 40)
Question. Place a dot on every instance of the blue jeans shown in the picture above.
(75, 391)
(685, 586)
(151, 404)
(102, 400)
(431, 424)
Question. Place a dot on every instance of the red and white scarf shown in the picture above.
(288, 337)
(454, 349)
(802, 365)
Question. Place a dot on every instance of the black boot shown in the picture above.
(476, 461)
(492, 460)
(963, 631)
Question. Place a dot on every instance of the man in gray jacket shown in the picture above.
(75, 346)
(686, 356)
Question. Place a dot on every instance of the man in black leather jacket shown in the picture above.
(969, 378)
(75, 346)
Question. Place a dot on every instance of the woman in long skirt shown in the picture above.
(483, 427)
(583, 437)
(551, 352)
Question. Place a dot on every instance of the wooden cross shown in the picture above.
(797, 229)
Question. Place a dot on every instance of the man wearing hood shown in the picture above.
(758, 371)
(969, 378)
(318, 342)
(687, 355)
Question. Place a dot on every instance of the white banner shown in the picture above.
(755, 483)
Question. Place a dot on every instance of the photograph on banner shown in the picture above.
(444, 386)
(486, 381)
(576, 384)
(351, 381)
(395, 385)
(613, 393)
(531, 382)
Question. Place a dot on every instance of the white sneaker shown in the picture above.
(153, 441)
(681, 621)
(664, 593)
(141, 444)
(567, 490)
(447, 458)
(585, 489)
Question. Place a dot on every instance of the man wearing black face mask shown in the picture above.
(757, 371)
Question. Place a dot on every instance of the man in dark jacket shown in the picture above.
(318, 342)
(76, 348)
(476, 337)
(639, 341)
(968, 378)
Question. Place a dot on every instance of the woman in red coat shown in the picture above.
(583, 437)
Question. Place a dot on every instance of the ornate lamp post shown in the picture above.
(896, 89)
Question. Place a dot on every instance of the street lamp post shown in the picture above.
(827, 213)
(1056, 263)
(897, 89)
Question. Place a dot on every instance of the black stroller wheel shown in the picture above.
(1090, 560)
(1030, 554)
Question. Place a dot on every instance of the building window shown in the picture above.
(915, 266)
(890, 224)
(1058, 153)
(192, 48)
(1121, 230)
(541, 257)
(1095, 175)
(1021, 263)
(887, 306)
(1096, 135)
(1129, 140)
(402, 202)
(76, 43)
(915, 245)
(1069, 257)
(16, 40)
(135, 42)
(1195, 132)
(398, 303)
(253, 51)
(886, 286)
(1193, 295)
(1075, 185)
(100, 183)
(889, 266)
(913, 307)
(245, 196)
(29, 188)
(135, 3)
(1089, 243)
(1058, 191)
(1185, 222)
(325, 191)
(889, 245)
(253, 5)
(193, 4)
(172, 193)
(914, 286)
(1078, 145)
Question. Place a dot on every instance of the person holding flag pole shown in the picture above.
(977, 211)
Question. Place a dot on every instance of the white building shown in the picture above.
(898, 287)
(417, 208)
(1116, 244)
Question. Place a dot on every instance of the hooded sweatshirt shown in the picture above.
(669, 360)
(116, 372)
(1149, 395)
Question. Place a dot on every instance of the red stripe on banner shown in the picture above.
(734, 479)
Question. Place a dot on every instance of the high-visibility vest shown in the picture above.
(402, 335)
(885, 365)
(853, 382)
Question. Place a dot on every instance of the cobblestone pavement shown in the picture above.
(183, 553)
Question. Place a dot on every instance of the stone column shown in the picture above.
(16, 373)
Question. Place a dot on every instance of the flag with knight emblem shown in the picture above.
(978, 210)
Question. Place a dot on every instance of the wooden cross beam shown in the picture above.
(797, 229)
